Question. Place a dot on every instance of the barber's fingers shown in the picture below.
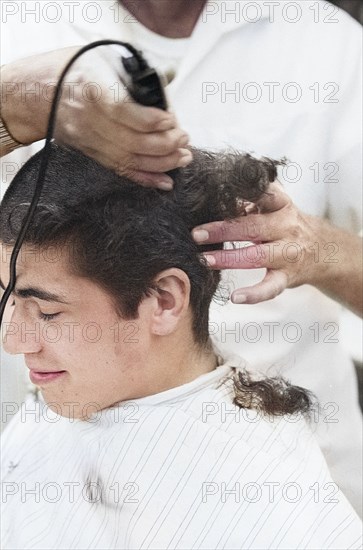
(246, 228)
(179, 159)
(253, 227)
(247, 257)
(155, 143)
(274, 283)
(274, 199)
(145, 170)
(112, 134)
(146, 119)
(126, 147)
(276, 216)
(158, 180)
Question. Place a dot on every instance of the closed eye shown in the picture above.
(47, 316)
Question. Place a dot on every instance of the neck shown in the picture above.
(170, 18)
(169, 366)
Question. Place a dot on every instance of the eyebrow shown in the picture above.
(34, 292)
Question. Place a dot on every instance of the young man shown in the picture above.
(144, 436)
(278, 78)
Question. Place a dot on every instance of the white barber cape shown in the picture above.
(277, 81)
(181, 469)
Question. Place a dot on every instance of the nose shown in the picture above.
(19, 334)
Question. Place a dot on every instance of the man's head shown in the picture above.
(122, 258)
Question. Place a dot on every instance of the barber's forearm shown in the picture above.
(340, 272)
(27, 91)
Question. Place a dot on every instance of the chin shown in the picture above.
(69, 408)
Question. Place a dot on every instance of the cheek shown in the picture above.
(54, 333)
(129, 354)
(86, 345)
(121, 346)
(69, 342)
(130, 345)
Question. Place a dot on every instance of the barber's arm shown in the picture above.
(140, 142)
(294, 247)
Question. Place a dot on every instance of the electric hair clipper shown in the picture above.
(143, 83)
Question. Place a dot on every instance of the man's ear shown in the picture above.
(170, 301)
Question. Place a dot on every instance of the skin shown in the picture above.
(137, 129)
(174, 19)
(320, 254)
(107, 359)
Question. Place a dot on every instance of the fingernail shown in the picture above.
(210, 259)
(165, 185)
(185, 159)
(200, 235)
(239, 298)
(164, 125)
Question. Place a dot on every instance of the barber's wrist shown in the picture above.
(22, 115)
(7, 142)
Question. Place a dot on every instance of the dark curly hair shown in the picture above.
(274, 396)
(122, 234)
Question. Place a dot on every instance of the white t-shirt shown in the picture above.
(184, 468)
(280, 81)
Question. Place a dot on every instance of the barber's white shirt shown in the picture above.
(181, 469)
(287, 84)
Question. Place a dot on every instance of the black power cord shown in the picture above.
(143, 85)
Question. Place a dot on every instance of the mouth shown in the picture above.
(38, 377)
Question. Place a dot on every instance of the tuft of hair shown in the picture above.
(273, 396)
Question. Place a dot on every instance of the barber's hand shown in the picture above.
(95, 115)
(137, 141)
(285, 241)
